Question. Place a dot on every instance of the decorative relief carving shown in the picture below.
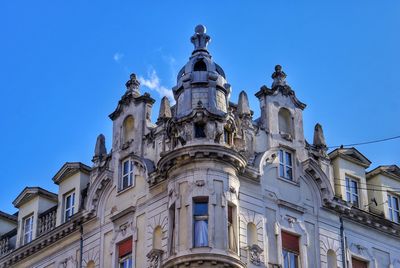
(254, 252)
(154, 258)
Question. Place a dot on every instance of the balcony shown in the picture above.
(47, 221)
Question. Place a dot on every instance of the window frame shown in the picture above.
(350, 192)
(130, 174)
(290, 252)
(70, 209)
(391, 209)
(283, 166)
(198, 218)
(24, 230)
(127, 258)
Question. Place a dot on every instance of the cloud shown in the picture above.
(118, 56)
(153, 83)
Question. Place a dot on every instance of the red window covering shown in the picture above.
(125, 248)
(358, 264)
(290, 242)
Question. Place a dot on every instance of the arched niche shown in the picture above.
(331, 258)
(91, 264)
(127, 129)
(157, 238)
(285, 121)
(251, 234)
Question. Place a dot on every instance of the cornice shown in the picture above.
(69, 169)
(45, 240)
(128, 98)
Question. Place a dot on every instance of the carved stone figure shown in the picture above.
(279, 77)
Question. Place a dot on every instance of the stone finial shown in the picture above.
(133, 84)
(100, 148)
(243, 104)
(165, 109)
(279, 77)
(200, 39)
(319, 139)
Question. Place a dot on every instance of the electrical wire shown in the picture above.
(373, 185)
(363, 143)
(375, 190)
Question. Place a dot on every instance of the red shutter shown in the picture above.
(358, 264)
(290, 242)
(125, 248)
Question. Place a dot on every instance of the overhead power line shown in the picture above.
(365, 142)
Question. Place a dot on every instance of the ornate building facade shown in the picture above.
(208, 185)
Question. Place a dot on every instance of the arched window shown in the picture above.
(127, 130)
(331, 259)
(91, 264)
(251, 234)
(157, 237)
(285, 121)
(200, 66)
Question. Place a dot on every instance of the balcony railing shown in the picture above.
(5, 242)
(47, 221)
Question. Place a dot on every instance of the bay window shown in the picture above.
(393, 204)
(200, 222)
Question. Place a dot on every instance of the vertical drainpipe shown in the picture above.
(342, 242)
(81, 246)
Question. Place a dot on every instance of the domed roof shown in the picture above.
(201, 59)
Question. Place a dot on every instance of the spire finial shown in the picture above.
(319, 138)
(132, 84)
(279, 77)
(200, 39)
(165, 109)
(243, 104)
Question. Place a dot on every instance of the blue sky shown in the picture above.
(63, 66)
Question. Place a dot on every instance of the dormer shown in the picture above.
(383, 184)
(32, 202)
(349, 176)
(71, 179)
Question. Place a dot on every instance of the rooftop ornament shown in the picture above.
(132, 85)
(200, 39)
(279, 77)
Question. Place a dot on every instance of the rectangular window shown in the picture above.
(127, 174)
(394, 211)
(69, 205)
(200, 220)
(290, 250)
(352, 192)
(28, 230)
(358, 263)
(285, 165)
(125, 254)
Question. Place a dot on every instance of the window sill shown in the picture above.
(121, 191)
(295, 183)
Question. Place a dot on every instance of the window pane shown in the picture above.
(281, 156)
(395, 203)
(200, 209)
(396, 217)
(347, 184)
(201, 233)
(281, 170)
(289, 173)
(390, 201)
(288, 159)
(126, 168)
(355, 200)
(285, 259)
(353, 185)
